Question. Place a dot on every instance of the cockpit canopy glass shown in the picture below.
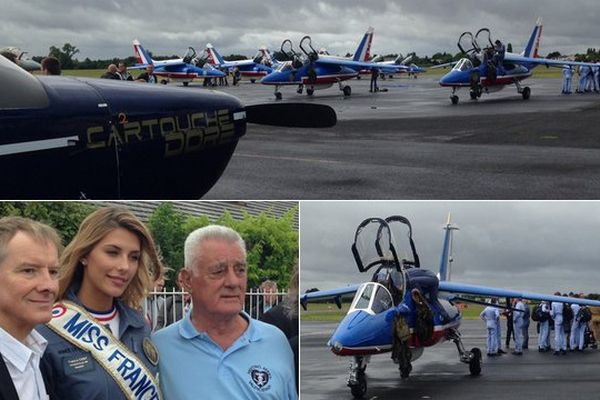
(372, 298)
(20, 89)
(463, 65)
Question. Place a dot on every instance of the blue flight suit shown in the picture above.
(595, 75)
(560, 341)
(567, 79)
(543, 338)
(491, 315)
(583, 72)
(518, 323)
(89, 380)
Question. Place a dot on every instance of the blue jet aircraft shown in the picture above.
(481, 74)
(71, 138)
(402, 309)
(315, 71)
(251, 69)
(180, 69)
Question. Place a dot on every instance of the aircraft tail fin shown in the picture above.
(363, 51)
(446, 259)
(533, 45)
(405, 60)
(143, 57)
(213, 55)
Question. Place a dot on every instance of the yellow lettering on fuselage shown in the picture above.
(182, 134)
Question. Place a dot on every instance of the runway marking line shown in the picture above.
(289, 158)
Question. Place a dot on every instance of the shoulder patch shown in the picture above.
(150, 351)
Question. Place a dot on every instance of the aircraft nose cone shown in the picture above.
(448, 79)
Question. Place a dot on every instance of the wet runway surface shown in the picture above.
(412, 143)
(439, 375)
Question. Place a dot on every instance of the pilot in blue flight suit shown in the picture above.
(519, 322)
(567, 79)
(560, 342)
(491, 315)
(583, 73)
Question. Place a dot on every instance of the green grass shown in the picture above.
(329, 312)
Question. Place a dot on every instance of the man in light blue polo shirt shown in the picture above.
(217, 351)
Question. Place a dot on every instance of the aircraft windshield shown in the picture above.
(287, 66)
(372, 298)
(463, 65)
(189, 55)
(20, 89)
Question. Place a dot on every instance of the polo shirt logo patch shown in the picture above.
(260, 377)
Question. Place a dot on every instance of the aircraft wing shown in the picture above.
(331, 293)
(358, 65)
(515, 58)
(455, 287)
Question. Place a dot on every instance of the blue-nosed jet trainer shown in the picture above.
(404, 308)
(485, 70)
(314, 71)
(22, 60)
(252, 69)
(182, 69)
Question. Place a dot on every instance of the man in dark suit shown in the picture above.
(29, 281)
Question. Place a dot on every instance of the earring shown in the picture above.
(83, 262)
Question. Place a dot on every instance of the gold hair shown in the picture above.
(92, 230)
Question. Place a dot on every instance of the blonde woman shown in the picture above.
(98, 339)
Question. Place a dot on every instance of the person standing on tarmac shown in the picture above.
(518, 322)
(374, 76)
(543, 338)
(490, 315)
(567, 79)
(556, 312)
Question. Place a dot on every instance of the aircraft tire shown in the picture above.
(454, 99)
(185, 83)
(310, 91)
(475, 363)
(347, 91)
(278, 96)
(473, 95)
(252, 80)
(526, 93)
(359, 390)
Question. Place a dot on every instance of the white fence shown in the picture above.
(163, 308)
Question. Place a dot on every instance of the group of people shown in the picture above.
(121, 73)
(72, 326)
(588, 81)
(569, 322)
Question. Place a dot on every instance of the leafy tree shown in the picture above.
(65, 55)
(65, 217)
(509, 48)
(554, 54)
(167, 227)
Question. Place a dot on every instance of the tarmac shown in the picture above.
(439, 375)
(410, 142)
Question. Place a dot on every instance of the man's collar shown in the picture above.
(187, 330)
(19, 354)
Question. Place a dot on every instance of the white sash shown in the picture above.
(77, 326)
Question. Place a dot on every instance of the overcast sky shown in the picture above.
(535, 246)
(105, 29)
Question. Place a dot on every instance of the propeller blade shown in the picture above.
(296, 115)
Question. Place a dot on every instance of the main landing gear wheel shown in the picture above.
(475, 362)
(252, 80)
(405, 372)
(359, 389)
(473, 95)
(526, 93)
(310, 91)
(347, 90)
(454, 99)
(185, 83)
(278, 96)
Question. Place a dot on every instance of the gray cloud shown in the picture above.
(536, 246)
(103, 29)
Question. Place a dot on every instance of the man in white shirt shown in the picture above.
(28, 287)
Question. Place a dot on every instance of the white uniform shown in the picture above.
(518, 323)
(491, 315)
(560, 341)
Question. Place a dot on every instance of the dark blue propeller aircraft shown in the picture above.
(404, 308)
(72, 138)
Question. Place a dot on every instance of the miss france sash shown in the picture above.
(74, 324)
